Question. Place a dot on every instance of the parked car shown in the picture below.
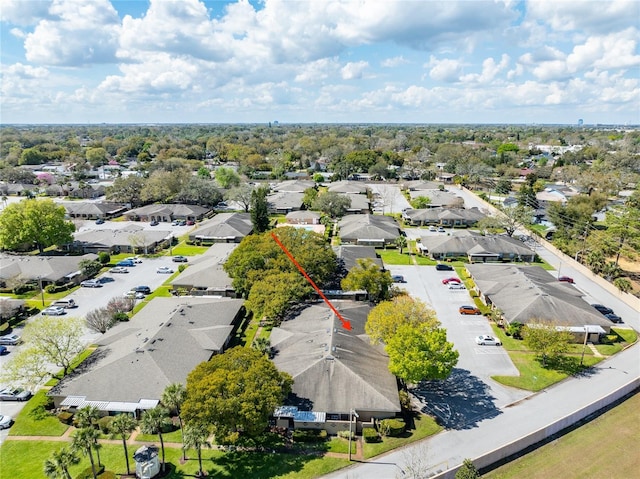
(125, 262)
(566, 279)
(175, 222)
(18, 394)
(398, 278)
(99, 221)
(455, 285)
(603, 309)
(190, 222)
(106, 279)
(466, 309)
(91, 283)
(119, 269)
(444, 267)
(5, 422)
(451, 280)
(10, 339)
(182, 223)
(142, 289)
(134, 259)
(614, 318)
(154, 223)
(486, 340)
(432, 228)
(3, 350)
(65, 303)
(133, 295)
(440, 229)
(54, 311)
(164, 270)
(179, 259)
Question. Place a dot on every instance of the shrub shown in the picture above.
(104, 257)
(23, 288)
(65, 417)
(392, 427)
(309, 435)
(122, 317)
(370, 435)
(346, 434)
(104, 423)
(107, 475)
(88, 474)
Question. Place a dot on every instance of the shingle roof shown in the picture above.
(350, 254)
(469, 242)
(334, 368)
(294, 186)
(345, 186)
(50, 268)
(224, 226)
(437, 214)
(368, 227)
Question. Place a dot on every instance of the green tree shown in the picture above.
(503, 187)
(85, 440)
(173, 397)
(367, 275)
(89, 267)
(512, 217)
(227, 177)
(32, 156)
(332, 204)
(153, 422)
(234, 392)
(96, 156)
(420, 202)
(467, 470)
(388, 316)
(203, 172)
(41, 223)
(86, 417)
(548, 342)
(199, 191)
(240, 194)
(401, 243)
(196, 437)
(310, 195)
(57, 466)
(127, 189)
(259, 210)
(274, 294)
(623, 284)
(121, 426)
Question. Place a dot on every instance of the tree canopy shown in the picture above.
(235, 392)
(332, 203)
(388, 316)
(259, 210)
(367, 275)
(34, 222)
(546, 340)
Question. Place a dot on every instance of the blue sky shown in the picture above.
(366, 61)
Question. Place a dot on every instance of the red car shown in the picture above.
(451, 280)
(566, 279)
(469, 310)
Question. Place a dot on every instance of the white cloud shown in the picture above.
(79, 33)
(21, 12)
(317, 71)
(25, 71)
(446, 70)
(490, 70)
(353, 70)
(394, 62)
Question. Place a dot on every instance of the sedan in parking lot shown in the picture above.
(566, 279)
(133, 295)
(119, 269)
(456, 286)
(444, 267)
(5, 422)
(54, 311)
(179, 259)
(164, 270)
(451, 280)
(603, 309)
(18, 394)
(91, 283)
(397, 278)
(9, 339)
(469, 310)
(614, 318)
(486, 340)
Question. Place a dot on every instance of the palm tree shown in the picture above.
(87, 417)
(173, 397)
(153, 421)
(122, 425)
(85, 440)
(401, 242)
(195, 437)
(57, 467)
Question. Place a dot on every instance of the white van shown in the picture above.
(65, 303)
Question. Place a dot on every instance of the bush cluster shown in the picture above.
(309, 435)
(104, 423)
(88, 473)
(392, 427)
(65, 417)
(370, 435)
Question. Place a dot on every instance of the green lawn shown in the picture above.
(184, 249)
(606, 447)
(393, 256)
(173, 436)
(33, 420)
(424, 426)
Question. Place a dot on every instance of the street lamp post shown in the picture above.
(352, 413)
(41, 290)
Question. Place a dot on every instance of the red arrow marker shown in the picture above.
(345, 323)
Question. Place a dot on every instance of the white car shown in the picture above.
(133, 295)
(5, 422)
(54, 311)
(119, 269)
(9, 339)
(91, 283)
(164, 270)
(486, 340)
(135, 259)
(454, 285)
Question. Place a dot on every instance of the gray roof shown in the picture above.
(224, 226)
(467, 242)
(49, 268)
(376, 227)
(439, 198)
(419, 185)
(358, 202)
(294, 186)
(334, 368)
(432, 215)
(206, 271)
(346, 186)
(303, 215)
(92, 208)
(350, 254)
(161, 345)
(285, 200)
(168, 210)
(526, 293)
(107, 238)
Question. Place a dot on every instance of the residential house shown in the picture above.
(349, 187)
(222, 228)
(360, 204)
(348, 256)
(166, 213)
(454, 217)
(21, 269)
(131, 238)
(205, 275)
(476, 247)
(438, 198)
(135, 361)
(335, 370)
(293, 186)
(93, 210)
(303, 217)
(529, 294)
(371, 230)
(284, 202)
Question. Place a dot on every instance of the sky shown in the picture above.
(320, 61)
